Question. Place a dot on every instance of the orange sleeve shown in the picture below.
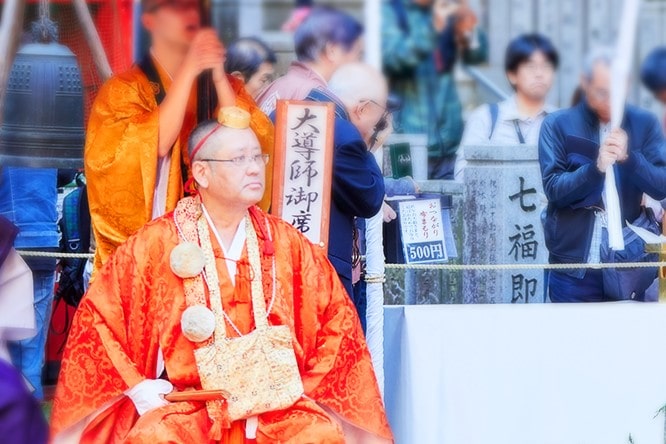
(121, 160)
(113, 343)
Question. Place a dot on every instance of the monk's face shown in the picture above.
(173, 22)
(232, 171)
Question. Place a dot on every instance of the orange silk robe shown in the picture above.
(121, 157)
(134, 307)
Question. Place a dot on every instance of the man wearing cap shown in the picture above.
(140, 121)
(173, 310)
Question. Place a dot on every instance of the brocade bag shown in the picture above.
(259, 369)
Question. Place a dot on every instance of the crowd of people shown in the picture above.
(189, 265)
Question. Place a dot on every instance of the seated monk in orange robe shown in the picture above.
(135, 154)
(132, 325)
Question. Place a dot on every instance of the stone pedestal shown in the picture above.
(502, 207)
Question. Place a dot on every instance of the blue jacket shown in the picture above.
(568, 150)
(357, 187)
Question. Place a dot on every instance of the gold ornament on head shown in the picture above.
(233, 117)
(187, 260)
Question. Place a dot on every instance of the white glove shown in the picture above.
(147, 395)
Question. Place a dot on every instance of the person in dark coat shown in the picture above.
(577, 146)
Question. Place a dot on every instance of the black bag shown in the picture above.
(621, 284)
(75, 228)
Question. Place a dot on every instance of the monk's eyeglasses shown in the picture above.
(242, 161)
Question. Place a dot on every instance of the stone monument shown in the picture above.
(502, 207)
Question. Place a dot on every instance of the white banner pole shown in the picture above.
(620, 68)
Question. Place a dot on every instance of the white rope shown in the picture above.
(377, 276)
(490, 267)
(55, 254)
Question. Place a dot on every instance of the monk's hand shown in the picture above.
(206, 52)
(149, 394)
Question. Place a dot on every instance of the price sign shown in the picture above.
(422, 231)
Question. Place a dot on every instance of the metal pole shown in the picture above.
(92, 38)
(11, 26)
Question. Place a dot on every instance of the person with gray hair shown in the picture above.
(577, 146)
(327, 39)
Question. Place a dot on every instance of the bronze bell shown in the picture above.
(42, 125)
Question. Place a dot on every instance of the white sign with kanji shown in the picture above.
(422, 231)
(303, 167)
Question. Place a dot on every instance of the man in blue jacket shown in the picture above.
(576, 148)
(359, 93)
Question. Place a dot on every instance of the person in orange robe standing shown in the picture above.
(131, 343)
(140, 121)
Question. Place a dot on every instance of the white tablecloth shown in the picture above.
(537, 374)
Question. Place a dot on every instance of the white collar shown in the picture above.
(233, 254)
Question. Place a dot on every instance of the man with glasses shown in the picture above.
(139, 124)
(577, 146)
(530, 64)
(208, 275)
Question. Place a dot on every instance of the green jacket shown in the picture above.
(430, 100)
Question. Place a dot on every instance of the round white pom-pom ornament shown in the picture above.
(197, 323)
(187, 260)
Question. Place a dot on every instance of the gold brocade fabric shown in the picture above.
(259, 371)
(121, 159)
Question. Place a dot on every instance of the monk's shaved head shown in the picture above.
(355, 82)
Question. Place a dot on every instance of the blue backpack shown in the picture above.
(75, 228)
